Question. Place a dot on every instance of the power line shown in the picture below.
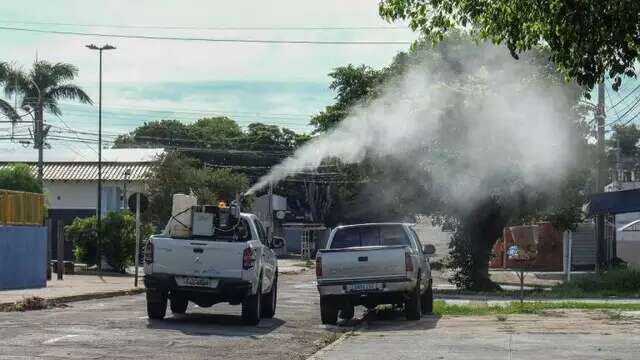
(234, 28)
(202, 39)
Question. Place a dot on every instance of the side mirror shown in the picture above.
(429, 249)
(277, 242)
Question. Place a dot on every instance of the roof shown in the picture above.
(128, 155)
(614, 202)
(88, 171)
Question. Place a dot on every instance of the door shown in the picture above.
(269, 260)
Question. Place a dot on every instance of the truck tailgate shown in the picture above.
(362, 263)
(194, 257)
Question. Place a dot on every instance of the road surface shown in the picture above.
(118, 328)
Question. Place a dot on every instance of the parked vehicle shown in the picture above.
(373, 264)
(238, 267)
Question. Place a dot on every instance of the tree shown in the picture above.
(400, 190)
(5, 108)
(19, 177)
(585, 39)
(44, 86)
(353, 84)
(177, 173)
(625, 137)
(154, 133)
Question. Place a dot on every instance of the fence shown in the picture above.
(21, 208)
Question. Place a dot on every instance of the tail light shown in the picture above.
(248, 258)
(148, 252)
(318, 266)
(408, 262)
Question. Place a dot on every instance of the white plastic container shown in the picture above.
(180, 223)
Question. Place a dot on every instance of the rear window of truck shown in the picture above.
(380, 235)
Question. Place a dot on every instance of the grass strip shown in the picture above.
(535, 307)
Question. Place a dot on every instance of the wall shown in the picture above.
(23, 257)
(84, 194)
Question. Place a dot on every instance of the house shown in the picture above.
(71, 183)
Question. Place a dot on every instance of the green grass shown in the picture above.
(620, 282)
(442, 308)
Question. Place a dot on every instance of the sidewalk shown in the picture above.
(75, 286)
(83, 287)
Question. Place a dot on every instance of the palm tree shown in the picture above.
(42, 87)
(5, 107)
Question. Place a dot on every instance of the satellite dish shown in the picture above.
(280, 215)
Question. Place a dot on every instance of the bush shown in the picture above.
(618, 281)
(19, 177)
(118, 239)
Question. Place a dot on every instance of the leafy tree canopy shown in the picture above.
(625, 137)
(585, 39)
(19, 177)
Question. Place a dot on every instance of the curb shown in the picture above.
(330, 347)
(11, 306)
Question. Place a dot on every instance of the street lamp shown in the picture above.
(99, 207)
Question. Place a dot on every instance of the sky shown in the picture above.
(146, 80)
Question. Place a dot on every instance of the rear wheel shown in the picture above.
(269, 300)
(178, 304)
(328, 311)
(156, 304)
(427, 300)
(251, 306)
(412, 306)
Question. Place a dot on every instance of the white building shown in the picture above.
(71, 183)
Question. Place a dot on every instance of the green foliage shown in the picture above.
(177, 173)
(19, 177)
(626, 137)
(353, 85)
(440, 307)
(52, 82)
(585, 40)
(118, 239)
(616, 282)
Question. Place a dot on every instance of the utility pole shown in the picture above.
(601, 178)
(39, 134)
(99, 205)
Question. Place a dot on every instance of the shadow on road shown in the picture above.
(395, 320)
(203, 324)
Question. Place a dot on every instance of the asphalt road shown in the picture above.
(118, 328)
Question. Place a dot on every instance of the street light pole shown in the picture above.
(99, 206)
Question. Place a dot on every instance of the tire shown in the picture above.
(252, 306)
(328, 311)
(347, 312)
(412, 306)
(178, 304)
(427, 300)
(269, 300)
(156, 304)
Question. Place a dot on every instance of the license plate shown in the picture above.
(363, 287)
(196, 281)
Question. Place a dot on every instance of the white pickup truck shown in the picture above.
(372, 264)
(239, 268)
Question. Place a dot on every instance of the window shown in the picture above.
(417, 239)
(384, 235)
(261, 233)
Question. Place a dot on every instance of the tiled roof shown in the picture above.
(88, 171)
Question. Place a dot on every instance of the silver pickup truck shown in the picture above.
(373, 264)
